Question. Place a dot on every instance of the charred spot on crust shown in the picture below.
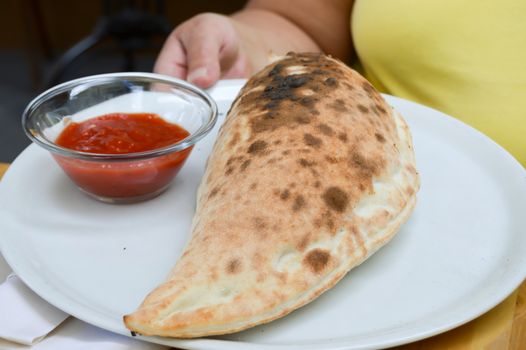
(368, 88)
(325, 129)
(348, 86)
(259, 223)
(305, 163)
(295, 81)
(302, 244)
(336, 199)
(233, 266)
(307, 101)
(317, 260)
(214, 192)
(276, 69)
(379, 137)
(285, 194)
(331, 159)
(343, 137)
(230, 161)
(264, 124)
(282, 92)
(363, 109)
(244, 165)
(331, 81)
(269, 115)
(311, 140)
(299, 202)
(380, 108)
(358, 160)
(271, 105)
(234, 140)
(338, 105)
(284, 87)
(257, 147)
(303, 119)
(365, 167)
(330, 223)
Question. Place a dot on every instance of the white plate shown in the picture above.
(460, 254)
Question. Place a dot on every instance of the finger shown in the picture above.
(202, 56)
(172, 58)
(212, 47)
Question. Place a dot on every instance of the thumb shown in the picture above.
(211, 46)
(202, 60)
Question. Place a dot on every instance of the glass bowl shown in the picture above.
(127, 177)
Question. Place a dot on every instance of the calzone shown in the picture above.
(311, 173)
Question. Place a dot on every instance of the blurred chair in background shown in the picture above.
(130, 25)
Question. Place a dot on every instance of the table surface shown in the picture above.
(502, 328)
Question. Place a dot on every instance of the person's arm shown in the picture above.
(210, 46)
(298, 25)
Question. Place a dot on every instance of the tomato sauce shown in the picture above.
(122, 133)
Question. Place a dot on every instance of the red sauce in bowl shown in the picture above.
(122, 133)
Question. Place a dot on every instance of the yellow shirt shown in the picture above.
(466, 58)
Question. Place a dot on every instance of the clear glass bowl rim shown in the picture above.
(108, 78)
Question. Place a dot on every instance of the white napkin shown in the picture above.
(26, 319)
(74, 334)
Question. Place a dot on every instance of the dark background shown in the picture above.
(35, 34)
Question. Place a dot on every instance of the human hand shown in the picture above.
(202, 50)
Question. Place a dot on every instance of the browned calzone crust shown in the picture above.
(311, 173)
